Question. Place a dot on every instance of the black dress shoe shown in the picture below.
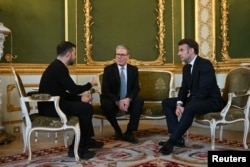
(130, 138)
(82, 153)
(167, 148)
(92, 143)
(178, 143)
(118, 136)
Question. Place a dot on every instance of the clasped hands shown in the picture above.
(123, 104)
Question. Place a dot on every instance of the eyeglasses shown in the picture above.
(120, 54)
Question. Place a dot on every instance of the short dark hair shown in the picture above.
(191, 43)
(63, 47)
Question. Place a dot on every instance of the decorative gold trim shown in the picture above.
(173, 30)
(224, 30)
(12, 122)
(83, 69)
(182, 18)
(224, 35)
(88, 36)
(66, 20)
(12, 107)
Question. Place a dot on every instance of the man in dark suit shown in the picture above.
(199, 94)
(56, 81)
(112, 98)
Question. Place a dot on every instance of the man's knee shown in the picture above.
(169, 105)
(168, 102)
(138, 101)
(106, 102)
(84, 108)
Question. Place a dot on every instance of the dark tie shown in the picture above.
(189, 68)
(123, 89)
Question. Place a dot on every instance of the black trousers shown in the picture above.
(177, 127)
(110, 110)
(84, 111)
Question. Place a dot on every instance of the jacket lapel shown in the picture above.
(116, 74)
(194, 70)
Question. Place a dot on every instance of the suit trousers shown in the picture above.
(110, 111)
(178, 126)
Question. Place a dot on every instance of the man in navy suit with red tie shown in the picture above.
(199, 94)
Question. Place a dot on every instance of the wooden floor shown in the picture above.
(16, 146)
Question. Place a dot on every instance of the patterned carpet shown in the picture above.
(123, 154)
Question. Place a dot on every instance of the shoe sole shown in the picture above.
(84, 156)
(177, 145)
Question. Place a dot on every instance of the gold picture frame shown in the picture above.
(87, 7)
(225, 39)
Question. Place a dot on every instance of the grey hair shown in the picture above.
(122, 47)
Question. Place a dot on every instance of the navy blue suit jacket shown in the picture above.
(203, 84)
(111, 82)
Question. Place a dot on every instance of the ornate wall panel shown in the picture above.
(224, 21)
(89, 21)
(205, 28)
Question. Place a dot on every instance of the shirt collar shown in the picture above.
(192, 62)
(122, 66)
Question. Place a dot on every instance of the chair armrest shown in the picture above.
(233, 95)
(221, 90)
(40, 96)
(32, 93)
(177, 89)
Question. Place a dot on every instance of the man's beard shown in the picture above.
(70, 62)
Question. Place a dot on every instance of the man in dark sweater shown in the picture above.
(56, 81)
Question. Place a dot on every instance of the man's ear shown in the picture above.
(67, 55)
(192, 49)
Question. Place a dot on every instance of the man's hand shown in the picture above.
(93, 81)
(179, 110)
(86, 97)
(124, 104)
